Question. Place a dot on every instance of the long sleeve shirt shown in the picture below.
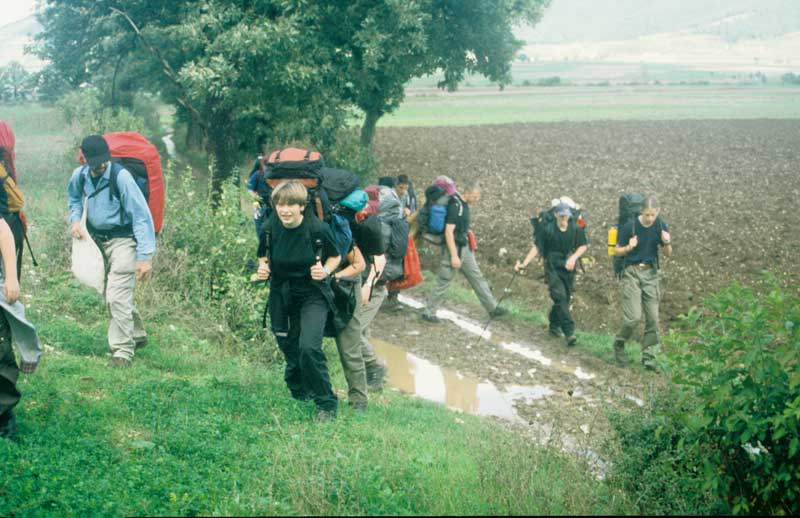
(104, 210)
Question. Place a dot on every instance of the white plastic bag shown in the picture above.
(88, 265)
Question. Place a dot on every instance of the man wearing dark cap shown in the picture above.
(563, 245)
(120, 222)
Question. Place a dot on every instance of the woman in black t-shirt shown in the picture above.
(638, 242)
(298, 254)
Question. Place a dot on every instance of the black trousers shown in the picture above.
(9, 371)
(560, 283)
(306, 371)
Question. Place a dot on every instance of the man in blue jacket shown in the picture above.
(120, 222)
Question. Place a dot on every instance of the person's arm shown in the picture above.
(629, 238)
(532, 253)
(75, 203)
(576, 255)
(134, 204)
(356, 264)
(666, 240)
(8, 250)
(375, 271)
(450, 240)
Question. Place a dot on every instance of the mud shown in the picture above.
(728, 190)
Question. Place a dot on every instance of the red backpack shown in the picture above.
(140, 158)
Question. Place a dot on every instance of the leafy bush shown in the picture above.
(207, 254)
(84, 109)
(729, 429)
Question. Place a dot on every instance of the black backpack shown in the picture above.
(630, 206)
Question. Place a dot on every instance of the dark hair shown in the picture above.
(403, 179)
(387, 181)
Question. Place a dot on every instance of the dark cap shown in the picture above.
(562, 209)
(95, 150)
(387, 181)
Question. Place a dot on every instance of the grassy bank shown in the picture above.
(202, 422)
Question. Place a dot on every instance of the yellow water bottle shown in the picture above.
(612, 239)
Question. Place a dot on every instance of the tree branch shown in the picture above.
(168, 71)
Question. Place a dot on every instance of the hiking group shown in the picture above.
(332, 252)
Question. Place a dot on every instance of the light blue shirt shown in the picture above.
(104, 210)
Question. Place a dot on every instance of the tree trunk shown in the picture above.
(221, 145)
(194, 135)
(368, 129)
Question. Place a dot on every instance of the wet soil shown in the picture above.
(728, 189)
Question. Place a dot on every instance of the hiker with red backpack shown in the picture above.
(560, 238)
(14, 328)
(119, 220)
(458, 253)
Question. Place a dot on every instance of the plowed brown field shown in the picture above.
(729, 191)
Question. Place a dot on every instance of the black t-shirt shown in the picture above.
(458, 215)
(293, 251)
(566, 242)
(649, 239)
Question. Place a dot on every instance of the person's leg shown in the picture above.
(349, 345)
(558, 294)
(120, 284)
(471, 270)
(290, 347)
(375, 369)
(313, 364)
(9, 373)
(567, 320)
(443, 280)
(650, 299)
(631, 292)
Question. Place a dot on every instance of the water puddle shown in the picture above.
(414, 375)
(477, 329)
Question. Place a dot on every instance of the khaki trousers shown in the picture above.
(641, 294)
(125, 327)
(471, 270)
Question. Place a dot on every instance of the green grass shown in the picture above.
(526, 105)
(192, 428)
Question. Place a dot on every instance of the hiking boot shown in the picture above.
(323, 416)
(498, 311)
(118, 362)
(433, 319)
(555, 333)
(302, 396)
(619, 353)
(572, 341)
(358, 406)
(140, 343)
(375, 377)
(8, 425)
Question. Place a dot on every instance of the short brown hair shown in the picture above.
(290, 192)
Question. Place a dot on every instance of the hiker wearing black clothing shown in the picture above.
(297, 252)
(563, 245)
(638, 242)
(458, 254)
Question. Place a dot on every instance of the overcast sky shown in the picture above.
(14, 10)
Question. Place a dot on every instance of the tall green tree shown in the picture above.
(14, 82)
(241, 69)
(381, 45)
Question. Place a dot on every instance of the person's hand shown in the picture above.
(665, 237)
(28, 367)
(570, 264)
(406, 212)
(455, 262)
(318, 272)
(633, 243)
(11, 289)
(519, 267)
(365, 290)
(76, 230)
(263, 269)
(144, 270)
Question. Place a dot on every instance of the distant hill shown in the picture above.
(14, 37)
(602, 20)
(722, 34)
